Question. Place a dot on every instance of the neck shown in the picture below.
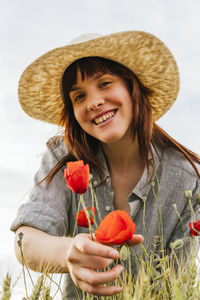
(122, 155)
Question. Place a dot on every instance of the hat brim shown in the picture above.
(143, 53)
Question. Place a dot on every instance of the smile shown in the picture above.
(104, 118)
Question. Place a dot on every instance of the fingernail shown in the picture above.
(114, 253)
(119, 268)
(118, 289)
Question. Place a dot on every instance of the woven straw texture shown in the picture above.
(143, 53)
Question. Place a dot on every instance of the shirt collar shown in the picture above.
(142, 188)
(97, 179)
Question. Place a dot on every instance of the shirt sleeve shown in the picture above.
(48, 206)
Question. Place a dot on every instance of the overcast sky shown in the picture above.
(29, 28)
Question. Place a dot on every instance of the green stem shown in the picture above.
(24, 277)
(176, 258)
(92, 194)
(87, 215)
(143, 222)
(160, 215)
(94, 199)
(182, 226)
(19, 242)
(160, 228)
(57, 284)
(191, 209)
(95, 223)
(79, 203)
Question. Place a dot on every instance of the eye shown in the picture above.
(77, 98)
(105, 83)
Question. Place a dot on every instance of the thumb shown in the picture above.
(135, 240)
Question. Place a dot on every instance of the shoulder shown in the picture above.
(178, 163)
(176, 174)
(57, 146)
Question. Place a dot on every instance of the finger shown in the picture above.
(100, 290)
(135, 240)
(75, 257)
(94, 262)
(98, 278)
(87, 246)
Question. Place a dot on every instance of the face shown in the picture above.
(102, 106)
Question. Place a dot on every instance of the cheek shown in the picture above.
(79, 115)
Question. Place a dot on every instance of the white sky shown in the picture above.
(28, 28)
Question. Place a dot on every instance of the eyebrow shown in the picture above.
(96, 77)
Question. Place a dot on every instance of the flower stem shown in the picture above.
(94, 199)
(79, 203)
(87, 215)
(176, 211)
(143, 222)
(192, 211)
(19, 242)
(157, 198)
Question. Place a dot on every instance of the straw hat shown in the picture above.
(141, 52)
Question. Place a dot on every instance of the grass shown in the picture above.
(160, 277)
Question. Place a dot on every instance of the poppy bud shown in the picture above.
(177, 244)
(123, 254)
(174, 206)
(188, 194)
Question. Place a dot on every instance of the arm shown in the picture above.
(79, 256)
(41, 251)
(43, 220)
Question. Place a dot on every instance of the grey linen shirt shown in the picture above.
(53, 209)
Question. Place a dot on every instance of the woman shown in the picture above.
(113, 89)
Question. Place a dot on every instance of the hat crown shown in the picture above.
(84, 38)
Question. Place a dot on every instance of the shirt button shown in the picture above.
(107, 208)
(107, 179)
(95, 183)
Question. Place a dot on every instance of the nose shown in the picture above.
(95, 105)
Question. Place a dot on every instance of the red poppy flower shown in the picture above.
(116, 228)
(195, 225)
(77, 176)
(81, 218)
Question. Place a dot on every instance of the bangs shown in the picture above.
(88, 66)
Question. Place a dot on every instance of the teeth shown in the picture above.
(104, 117)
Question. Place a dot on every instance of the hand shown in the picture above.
(83, 257)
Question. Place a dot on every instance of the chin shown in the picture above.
(110, 140)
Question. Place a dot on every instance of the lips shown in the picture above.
(104, 117)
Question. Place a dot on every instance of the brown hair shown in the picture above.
(83, 146)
